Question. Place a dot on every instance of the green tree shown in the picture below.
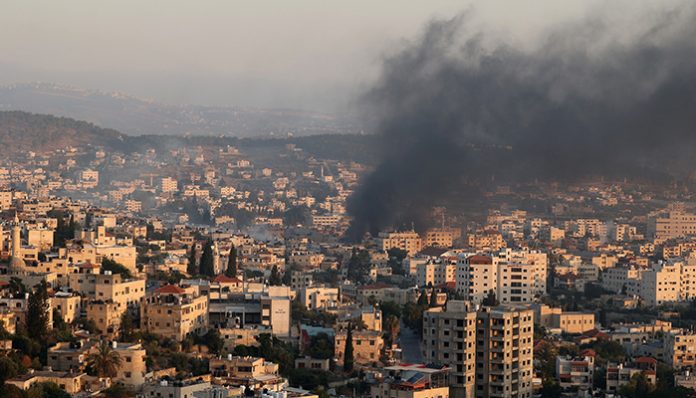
(321, 347)
(433, 298)
(207, 262)
(115, 268)
(348, 351)
(191, 268)
(46, 390)
(490, 300)
(231, 270)
(8, 369)
(638, 387)
(392, 325)
(127, 328)
(275, 278)
(105, 361)
(37, 312)
(212, 340)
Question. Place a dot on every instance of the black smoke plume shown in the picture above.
(453, 109)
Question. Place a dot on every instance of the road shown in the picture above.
(410, 345)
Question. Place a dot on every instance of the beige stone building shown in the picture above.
(367, 346)
(409, 241)
(566, 322)
(70, 382)
(175, 312)
(320, 298)
(671, 224)
(680, 349)
(254, 372)
(132, 369)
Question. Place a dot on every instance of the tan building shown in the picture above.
(435, 273)
(488, 240)
(69, 356)
(70, 382)
(68, 305)
(680, 349)
(320, 298)
(246, 336)
(566, 322)
(440, 237)
(175, 312)
(412, 381)
(247, 371)
(449, 338)
(672, 224)
(313, 363)
(409, 241)
(132, 369)
(367, 346)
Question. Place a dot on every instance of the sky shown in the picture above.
(300, 54)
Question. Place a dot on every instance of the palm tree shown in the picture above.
(105, 361)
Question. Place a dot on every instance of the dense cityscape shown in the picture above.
(329, 200)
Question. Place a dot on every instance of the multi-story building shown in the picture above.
(319, 298)
(680, 349)
(449, 338)
(487, 240)
(618, 375)
(440, 237)
(435, 273)
(175, 312)
(409, 241)
(577, 372)
(566, 322)
(513, 276)
(504, 352)
(168, 184)
(671, 224)
(132, 368)
(412, 381)
(367, 346)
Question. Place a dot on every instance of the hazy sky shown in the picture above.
(286, 53)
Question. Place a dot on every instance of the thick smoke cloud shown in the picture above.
(453, 110)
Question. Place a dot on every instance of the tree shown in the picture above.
(231, 270)
(8, 369)
(275, 278)
(46, 390)
(392, 325)
(105, 361)
(37, 312)
(422, 299)
(192, 269)
(321, 347)
(115, 268)
(348, 351)
(212, 340)
(490, 300)
(17, 287)
(207, 264)
(433, 298)
(638, 387)
(127, 326)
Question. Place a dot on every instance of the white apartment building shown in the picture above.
(514, 276)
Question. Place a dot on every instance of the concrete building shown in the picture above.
(435, 273)
(253, 372)
(680, 349)
(409, 241)
(367, 346)
(175, 312)
(412, 381)
(514, 276)
(618, 375)
(566, 322)
(132, 369)
(320, 298)
(504, 352)
(671, 224)
(577, 373)
(449, 338)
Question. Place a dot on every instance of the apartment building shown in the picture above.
(504, 352)
(409, 241)
(487, 240)
(131, 371)
(175, 312)
(514, 276)
(671, 224)
(680, 349)
(578, 372)
(618, 375)
(435, 273)
(449, 338)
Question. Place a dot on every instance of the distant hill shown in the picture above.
(134, 116)
(29, 131)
